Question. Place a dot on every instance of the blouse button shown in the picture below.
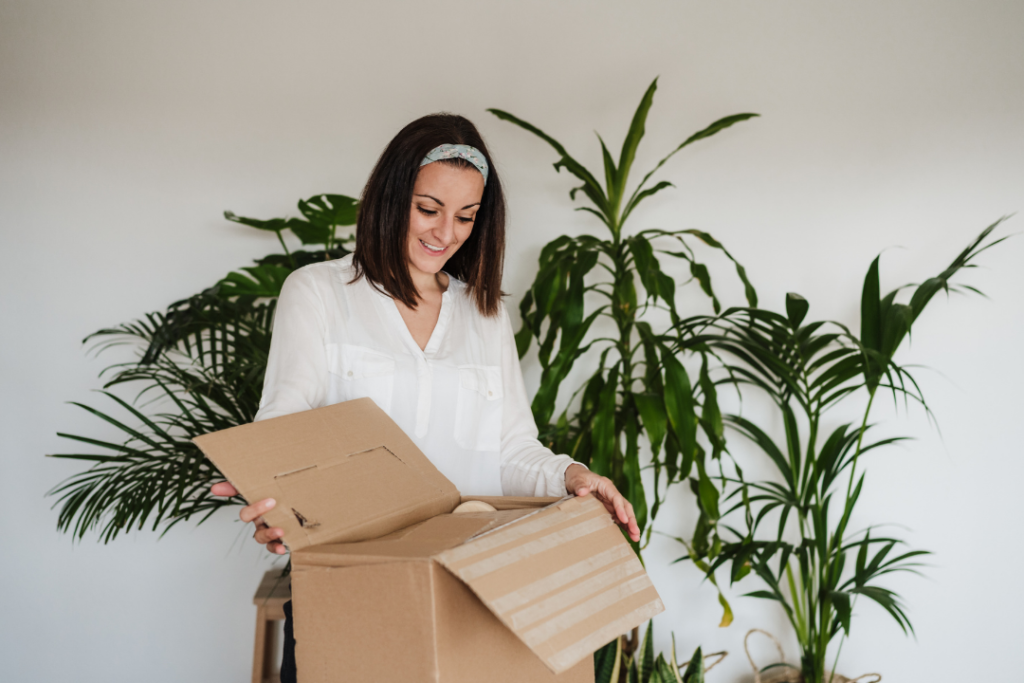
(490, 393)
(349, 373)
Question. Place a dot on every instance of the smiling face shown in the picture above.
(445, 200)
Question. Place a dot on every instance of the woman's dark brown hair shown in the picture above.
(383, 224)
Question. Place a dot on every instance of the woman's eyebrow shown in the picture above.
(429, 197)
(467, 206)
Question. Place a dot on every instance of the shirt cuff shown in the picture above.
(561, 471)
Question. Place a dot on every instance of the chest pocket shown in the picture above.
(478, 408)
(362, 373)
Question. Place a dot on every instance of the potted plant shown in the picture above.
(200, 365)
(639, 389)
(792, 532)
(614, 665)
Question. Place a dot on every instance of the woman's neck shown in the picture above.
(428, 284)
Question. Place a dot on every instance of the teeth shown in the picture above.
(430, 247)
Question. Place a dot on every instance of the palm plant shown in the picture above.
(613, 665)
(640, 389)
(807, 370)
(200, 365)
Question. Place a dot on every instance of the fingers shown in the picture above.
(620, 508)
(250, 512)
(268, 535)
(223, 488)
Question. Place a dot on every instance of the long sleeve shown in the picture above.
(297, 365)
(527, 467)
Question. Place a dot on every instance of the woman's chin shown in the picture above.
(428, 265)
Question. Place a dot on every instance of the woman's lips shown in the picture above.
(432, 252)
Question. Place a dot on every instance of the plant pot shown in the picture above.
(787, 673)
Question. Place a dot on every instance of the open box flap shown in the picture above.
(564, 580)
(419, 542)
(344, 472)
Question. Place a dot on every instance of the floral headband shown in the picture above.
(470, 154)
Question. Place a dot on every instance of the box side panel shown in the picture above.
(364, 623)
(473, 645)
(564, 580)
(333, 471)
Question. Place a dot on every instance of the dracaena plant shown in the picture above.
(639, 388)
(199, 368)
(793, 531)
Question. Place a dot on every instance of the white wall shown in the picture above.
(126, 128)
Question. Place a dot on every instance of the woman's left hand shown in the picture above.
(581, 481)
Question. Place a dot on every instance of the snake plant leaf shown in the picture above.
(645, 663)
(676, 677)
(694, 672)
(665, 672)
(607, 662)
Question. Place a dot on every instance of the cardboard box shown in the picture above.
(388, 585)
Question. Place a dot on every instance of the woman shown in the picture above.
(414, 320)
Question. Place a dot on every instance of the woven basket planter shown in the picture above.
(787, 673)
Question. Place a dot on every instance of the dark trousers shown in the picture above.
(288, 659)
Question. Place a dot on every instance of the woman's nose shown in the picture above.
(446, 231)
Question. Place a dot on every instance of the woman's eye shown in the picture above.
(463, 219)
(426, 212)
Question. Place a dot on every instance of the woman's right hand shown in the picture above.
(268, 536)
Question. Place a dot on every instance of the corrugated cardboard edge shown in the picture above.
(564, 658)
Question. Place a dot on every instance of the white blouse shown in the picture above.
(461, 400)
